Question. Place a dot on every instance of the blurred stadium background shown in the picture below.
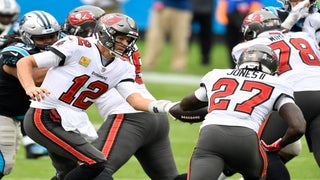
(137, 9)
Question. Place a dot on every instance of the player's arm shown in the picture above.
(132, 95)
(25, 69)
(297, 12)
(25, 75)
(192, 108)
(294, 118)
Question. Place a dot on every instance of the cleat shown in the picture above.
(34, 151)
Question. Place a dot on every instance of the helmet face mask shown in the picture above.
(110, 26)
(37, 24)
(259, 57)
(81, 21)
(258, 22)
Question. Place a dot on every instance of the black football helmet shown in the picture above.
(259, 57)
(258, 22)
(81, 21)
(110, 25)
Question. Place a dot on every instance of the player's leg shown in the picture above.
(33, 150)
(309, 103)
(207, 160)
(9, 143)
(45, 128)
(242, 145)
(155, 155)
(313, 135)
(119, 138)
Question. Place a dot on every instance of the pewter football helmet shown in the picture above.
(81, 21)
(109, 25)
(258, 22)
(259, 57)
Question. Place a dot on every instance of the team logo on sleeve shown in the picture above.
(84, 61)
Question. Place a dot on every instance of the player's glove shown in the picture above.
(160, 106)
(188, 116)
(301, 10)
(276, 146)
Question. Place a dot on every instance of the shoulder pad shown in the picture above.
(11, 54)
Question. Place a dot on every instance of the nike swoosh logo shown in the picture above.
(14, 53)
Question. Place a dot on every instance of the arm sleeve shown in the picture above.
(283, 100)
(201, 94)
(126, 88)
(46, 59)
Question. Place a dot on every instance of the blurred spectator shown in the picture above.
(109, 6)
(172, 18)
(231, 13)
(202, 14)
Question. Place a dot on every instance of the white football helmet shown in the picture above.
(9, 8)
(37, 24)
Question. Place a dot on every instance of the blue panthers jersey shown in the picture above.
(14, 101)
(11, 54)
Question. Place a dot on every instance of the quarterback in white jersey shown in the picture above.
(81, 71)
(127, 132)
(298, 54)
(238, 101)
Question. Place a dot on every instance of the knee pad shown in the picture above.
(5, 166)
(293, 149)
(9, 145)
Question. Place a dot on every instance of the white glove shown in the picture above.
(160, 106)
(301, 10)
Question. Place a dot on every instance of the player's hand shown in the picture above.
(301, 10)
(272, 147)
(161, 106)
(37, 93)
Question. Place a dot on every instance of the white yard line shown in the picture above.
(171, 78)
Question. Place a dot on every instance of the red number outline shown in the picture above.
(227, 86)
(95, 90)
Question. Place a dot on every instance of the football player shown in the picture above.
(136, 126)
(299, 56)
(82, 69)
(38, 30)
(238, 101)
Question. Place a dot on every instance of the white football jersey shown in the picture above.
(242, 97)
(298, 55)
(113, 103)
(77, 78)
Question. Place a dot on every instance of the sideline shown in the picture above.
(171, 78)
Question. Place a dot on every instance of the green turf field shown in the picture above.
(183, 136)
